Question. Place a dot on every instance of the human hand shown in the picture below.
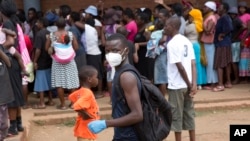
(84, 115)
(193, 91)
(220, 37)
(97, 126)
(159, 1)
(35, 66)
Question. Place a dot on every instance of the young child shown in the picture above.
(84, 104)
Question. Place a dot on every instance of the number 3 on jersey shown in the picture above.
(185, 50)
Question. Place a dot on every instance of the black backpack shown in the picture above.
(157, 115)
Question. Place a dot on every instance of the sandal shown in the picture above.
(97, 96)
(38, 106)
(48, 103)
(228, 85)
(207, 88)
(218, 89)
(61, 107)
(26, 106)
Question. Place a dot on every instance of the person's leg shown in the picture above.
(228, 76)
(177, 136)
(25, 95)
(60, 92)
(42, 103)
(192, 135)
(3, 121)
(220, 76)
(19, 120)
(13, 123)
(236, 73)
(163, 89)
(50, 99)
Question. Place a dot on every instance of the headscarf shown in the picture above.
(198, 19)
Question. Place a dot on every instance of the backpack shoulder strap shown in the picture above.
(126, 68)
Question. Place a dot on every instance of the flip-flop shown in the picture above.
(38, 106)
(218, 89)
(61, 107)
(49, 103)
(228, 85)
(26, 107)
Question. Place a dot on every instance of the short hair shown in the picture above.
(85, 72)
(122, 30)
(178, 9)
(225, 6)
(128, 12)
(44, 21)
(144, 17)
(118, 36)
(65, 10)
(61, 22)
(148, 12)
(175, 22)
(75, 16)
(165, 12)
(32, 9)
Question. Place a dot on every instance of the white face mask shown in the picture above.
(114, 59)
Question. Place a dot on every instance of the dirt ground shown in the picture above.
(210, 126)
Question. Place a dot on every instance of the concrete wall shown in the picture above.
(79, 4)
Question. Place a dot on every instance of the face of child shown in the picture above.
(94, 80)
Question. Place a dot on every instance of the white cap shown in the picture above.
(211, 5)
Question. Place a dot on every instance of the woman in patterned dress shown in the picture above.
(63, 75)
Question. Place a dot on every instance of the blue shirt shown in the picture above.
(77, 33)
(224, 26)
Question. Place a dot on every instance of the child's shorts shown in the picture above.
(82, 139)
(3, 121)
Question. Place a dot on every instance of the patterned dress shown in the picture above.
(64, 75)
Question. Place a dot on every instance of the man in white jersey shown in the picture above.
(181, 79)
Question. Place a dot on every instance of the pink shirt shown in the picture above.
(205, 37)
(245, 18)
(132, 30)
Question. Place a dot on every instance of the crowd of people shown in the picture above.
(179, 47)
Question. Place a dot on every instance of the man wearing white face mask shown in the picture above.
(125, 115)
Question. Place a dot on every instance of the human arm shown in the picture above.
(209, 27)
(18, 56)
(183, 74)
(36, 56)
(161, 2)
(48, 47)
(193, 90)
(74, 43)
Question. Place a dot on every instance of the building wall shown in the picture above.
(79, 4)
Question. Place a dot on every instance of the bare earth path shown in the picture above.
(210, 126)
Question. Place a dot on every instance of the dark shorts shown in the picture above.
(182, 110)
(96, 61)
(3, 121)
